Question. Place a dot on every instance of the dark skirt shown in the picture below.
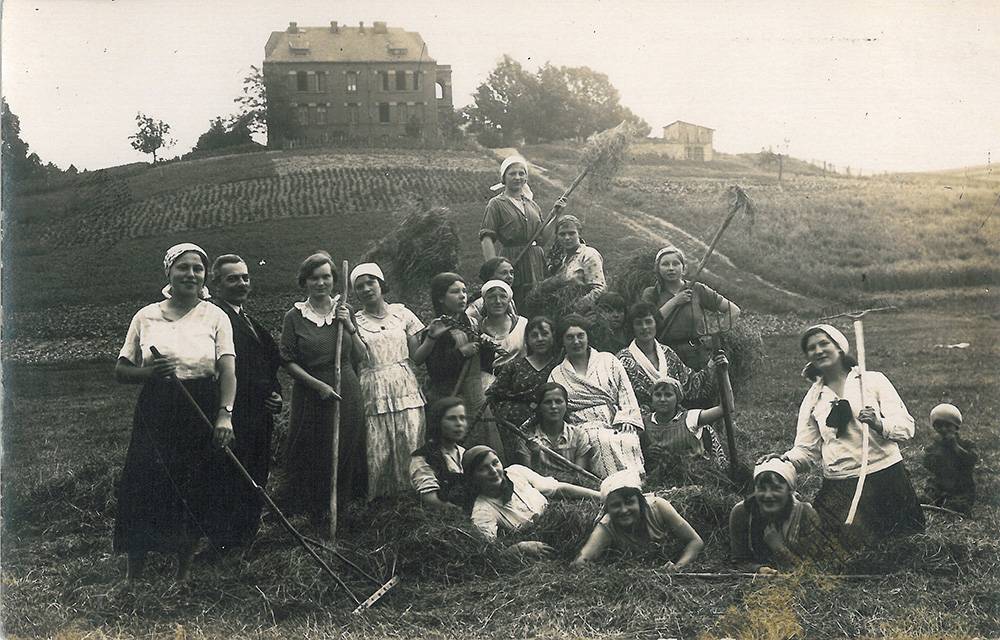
(310, 441)
(175, 485)
(888, 503)
(253, 426)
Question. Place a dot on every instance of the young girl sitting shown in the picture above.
(636, 522)
(672, 434)
(951, 461)
(772, 529)
(436, 467)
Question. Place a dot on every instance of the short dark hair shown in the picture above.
(641, 309)
(223, 260)
(573, 320)
(489, 267)
(435, 412)
(545, 388)
(811, 372)
(312, 263)
(535, 323)
(611, 300)
(440, 285)
(382, 284)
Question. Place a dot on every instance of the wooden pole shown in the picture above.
(728, 408)
(335, 439)
(555, 456)
(552, 215)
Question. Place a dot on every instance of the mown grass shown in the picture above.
(66, 428)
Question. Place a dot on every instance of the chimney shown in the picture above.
(293, 27)
(380, 28)
(361, 26)
(334, 27)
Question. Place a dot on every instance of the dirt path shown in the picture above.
(660, 232)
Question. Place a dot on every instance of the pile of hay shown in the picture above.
(424, 244)
(554, 303)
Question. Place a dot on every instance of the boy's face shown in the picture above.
(664, 400)
(945, 429)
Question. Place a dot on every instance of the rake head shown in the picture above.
(715, 323)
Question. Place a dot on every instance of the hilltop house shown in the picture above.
(353, 82)
(686, 141)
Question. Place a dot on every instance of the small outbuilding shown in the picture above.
(686, 141)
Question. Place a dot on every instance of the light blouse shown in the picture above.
(197, 339)
(841, 457)
(527, 502)
(422, 475)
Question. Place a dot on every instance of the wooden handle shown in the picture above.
(335, 439)
(555, 456)
(552, 215)
(859, 340)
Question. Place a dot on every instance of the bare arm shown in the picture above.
(488, 247)
(567, 490)
(683, 531)
(595, 546)
(128, 373)
(431, 499)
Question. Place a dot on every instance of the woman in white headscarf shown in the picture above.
(828, 435)
(511, 219)
(503, 325)
(393, 401)
(174, 486)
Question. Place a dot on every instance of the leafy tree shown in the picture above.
(17, 161)
(554, 103)
(222, 133)
(151, 135)
(264, 106)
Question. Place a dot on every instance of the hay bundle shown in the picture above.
(424, 244)
(605, 154)
(635, 274)
(554, 302)
(564, 526)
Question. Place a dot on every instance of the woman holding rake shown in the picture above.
(173, 487)
(829, 432)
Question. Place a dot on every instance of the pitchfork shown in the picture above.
(715, 325)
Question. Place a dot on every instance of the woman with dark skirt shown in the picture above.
(829, 433)
(308, 348)
(450, 349)
(173, 489)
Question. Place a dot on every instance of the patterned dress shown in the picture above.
(598, 400)
(394, 404)
(513, 394)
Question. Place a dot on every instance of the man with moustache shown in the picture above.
(258, 393)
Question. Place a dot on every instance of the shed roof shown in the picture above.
(690, 123)
(346, 44)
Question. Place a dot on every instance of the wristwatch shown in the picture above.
(228, 409)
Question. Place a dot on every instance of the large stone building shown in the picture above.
(686, 141)
(353, 82)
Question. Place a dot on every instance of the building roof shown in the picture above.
(690, 123)
(335, 43)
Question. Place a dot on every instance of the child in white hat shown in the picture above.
(951, 461)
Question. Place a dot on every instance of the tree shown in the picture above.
(554, 103)
(264, 107)
(151, 135)
(18, 163)
(221, 133)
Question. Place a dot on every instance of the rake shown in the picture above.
(302, 540)
(859, 340)
(519, 432)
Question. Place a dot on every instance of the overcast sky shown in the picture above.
(874, 85)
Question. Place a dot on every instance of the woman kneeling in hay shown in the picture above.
(634, 522)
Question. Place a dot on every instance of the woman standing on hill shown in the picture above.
(681, 306)
(450, 348)
(829, 433)
(308, 348)
(172, 489)
(394, 404)
(581, 264)
(511, 219)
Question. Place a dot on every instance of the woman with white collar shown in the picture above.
(829, 433)
(503, 325)
(308, 347)
(511, 219)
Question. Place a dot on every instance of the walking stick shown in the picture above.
(517, 431)
(335, 440)
(859, 339)
(256, 487)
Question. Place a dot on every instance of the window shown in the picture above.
(321, 115)
(302, 81)
(438, 90)
(400, 81)
(403, 113)
(416, 81)
(385, 80)
(292, 80)
(303, 115)
(321, 81)
(353, 115)
(352, 82)
(383, 112)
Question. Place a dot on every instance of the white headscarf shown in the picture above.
(626, 478)
(366, 269)
(784, 469)
(170, 257)
(509, 160)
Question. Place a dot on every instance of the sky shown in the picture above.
(877, 86)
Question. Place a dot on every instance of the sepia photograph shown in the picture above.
(667, 320)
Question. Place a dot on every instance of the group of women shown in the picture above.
(487, 366)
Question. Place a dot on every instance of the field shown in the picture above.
(69, 291)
